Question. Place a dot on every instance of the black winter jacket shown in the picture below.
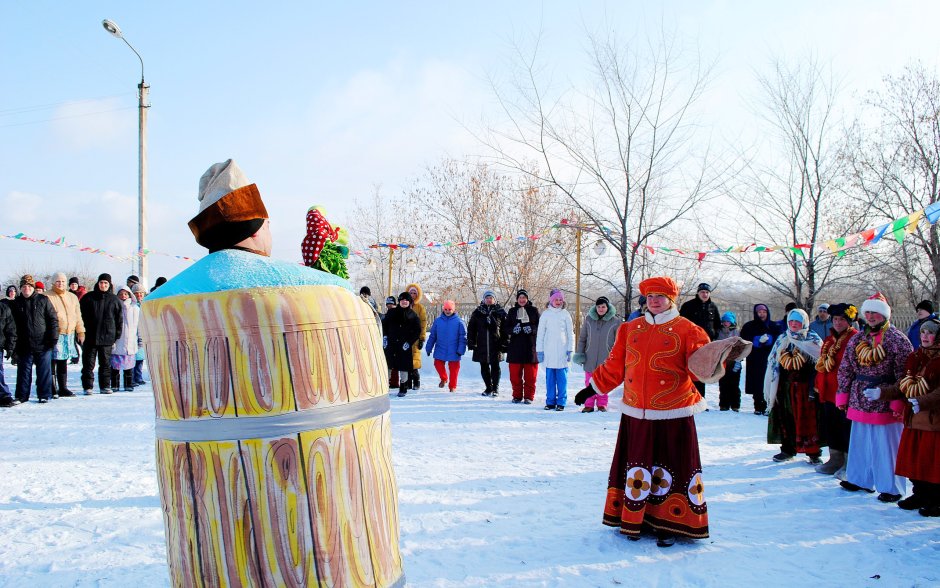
(37, 324)
(103, 317)
(7, 329)
(484, 333)
(400, 325)
(703, 314)
(520, 347)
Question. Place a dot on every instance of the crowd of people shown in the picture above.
(47, 329)
(847, 380)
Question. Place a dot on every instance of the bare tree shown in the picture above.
(897, 165)
(623, 148)
(792, 193)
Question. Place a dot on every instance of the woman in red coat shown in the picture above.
(835, 427)
(656, 476)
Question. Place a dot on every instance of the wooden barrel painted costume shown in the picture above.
(272, 426)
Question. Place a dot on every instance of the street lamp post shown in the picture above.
(143, 91)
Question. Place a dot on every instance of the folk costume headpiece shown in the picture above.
(877, 303)
(662, 285)
(230, 207)
(846, 311)
(869, 350)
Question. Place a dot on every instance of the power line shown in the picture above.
(33, 122)
(23, 109)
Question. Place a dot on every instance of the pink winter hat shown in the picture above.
(449, 305)
(556, 294)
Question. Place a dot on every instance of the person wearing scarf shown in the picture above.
(656, 473)
(834, 426)
(919, 394)
(761, 332)
(875, 358)
(788, 383)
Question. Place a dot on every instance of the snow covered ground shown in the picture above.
(491, 494)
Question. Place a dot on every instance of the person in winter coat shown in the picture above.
(788, 381)
(10, 296)
(875, 358)
(656, 473)
(640, 309)
(124, 352)
(822, 324)
(925, 313)
(71, 329)
(37, 330)
(919, 392)
(762, 333)
(729, 386)
(835, 427)
(7, 346)
(484, 339)
(139, 357)
(598, 333)
(448, 343)
(519, 331)
(702, 311)
(402, 330)
(417, 295)
(365, 293)
(390, 303)
(553, 347)
(104, 321)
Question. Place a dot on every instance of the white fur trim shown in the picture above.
(661, 318)
(664, 415)
(879, 306)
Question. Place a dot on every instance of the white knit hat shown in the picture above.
(219, 180)
(877, 303)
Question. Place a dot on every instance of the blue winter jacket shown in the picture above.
(448, 339)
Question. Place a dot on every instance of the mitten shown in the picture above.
(527, 330)
(405, 346)
(872, 393)
(517, 329)
(420, 344)
(384, 342)
(915, 405)
(540, 356)
(582, 396)
(567, 356)
(736, 367)
(764, 338)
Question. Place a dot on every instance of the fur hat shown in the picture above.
(877, 303)
(930, 326)
(390, 300)
(660, 285)
(230, 208)
(27, 280)
(449, 305)
(925, 305)
(522, 292)
(405, 296)
(556, 295)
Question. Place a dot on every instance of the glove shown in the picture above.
(582, 396)
(384, 342)
(567, 356)
(872, 393)
(527, 330)
(405, 346)
(736, 367)
(517, 329)
(764, 338)
(540, 356)
(420, 344)
(915, 405)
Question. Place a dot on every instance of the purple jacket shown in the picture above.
(853, 378)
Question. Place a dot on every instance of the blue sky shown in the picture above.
(319, 103)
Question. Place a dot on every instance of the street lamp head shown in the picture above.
(111, 27)
(600, 248)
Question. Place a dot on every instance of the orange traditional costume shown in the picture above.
(656, 475)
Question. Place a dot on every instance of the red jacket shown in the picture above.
(827, 382)
(651, 361)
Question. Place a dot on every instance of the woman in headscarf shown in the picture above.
(788, 382)
(920, 442)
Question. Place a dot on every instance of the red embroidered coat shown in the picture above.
(651, 361)
(827, 382)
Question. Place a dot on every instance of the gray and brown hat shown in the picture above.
(230, 207)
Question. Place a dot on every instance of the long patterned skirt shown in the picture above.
(656, 479)
(794, 418)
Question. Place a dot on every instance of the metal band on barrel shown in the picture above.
(264, 427)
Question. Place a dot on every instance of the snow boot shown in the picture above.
(403, 388)
(836, 461)
(782, 457)
(912, 502)
(495, 391)
(415, 379)
(665, 539)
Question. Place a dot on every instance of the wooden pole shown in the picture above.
(391, 255)
(577, 291)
